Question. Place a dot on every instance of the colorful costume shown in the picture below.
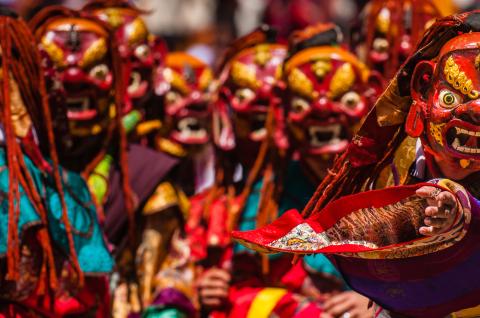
(260, 286)
(162, 262)
(423, 131)
(122, 176)
(52, 249)
(185, 117)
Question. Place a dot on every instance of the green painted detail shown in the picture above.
(130, 120)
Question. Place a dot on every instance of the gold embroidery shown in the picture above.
(244, 75)
(459, 79)
(436, 132)
(205, 79)
(322, 67)
(262, 54)
(176, 81)
(300, 84)
(94, 53)
(342, 80)
(137, 31)
(164, 197)
(55, 53)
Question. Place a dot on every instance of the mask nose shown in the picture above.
(469, 112)
(73, 75)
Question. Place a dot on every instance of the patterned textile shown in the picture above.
(388, 271)
(93, 255)
(23, 298)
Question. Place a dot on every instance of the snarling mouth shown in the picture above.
(137, 86)
(327, 138)
(464, 141)
(190, 130)
(257, 125)
(80, 108)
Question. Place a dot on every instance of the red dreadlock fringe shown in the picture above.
(38, 24)
(24, 69)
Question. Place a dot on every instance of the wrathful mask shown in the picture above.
(186, 100)
(79, 51)
(446, 109)
(328, 91)
(247, 93)
(142, 53)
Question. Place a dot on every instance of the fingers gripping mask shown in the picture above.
(139, 49)
(328, 91)
(78, 49)
(186, 101)
(248, 90)
(446, 109)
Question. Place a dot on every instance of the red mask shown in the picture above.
(446, 110)
(79, 51)
(328, 92)
(186, 100)
(389, 30)
(141, 52)
(247, 94)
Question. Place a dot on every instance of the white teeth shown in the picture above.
(456, 143)
(184, 125)
(83, 102)
(260, 133)
(136, 81)
(335, 130)
(467, 132)
(465, 149)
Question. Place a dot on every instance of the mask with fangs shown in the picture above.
(81, 51)
(387, 31)
(251, 69)
(142, 53)
(328, 91)
(446, 110)
(185, 111)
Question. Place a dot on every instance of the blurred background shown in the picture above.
(205, 27)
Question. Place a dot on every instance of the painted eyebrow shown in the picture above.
(458, 79)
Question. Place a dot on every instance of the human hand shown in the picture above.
(347, 304)
(440, 212)
(213, 287)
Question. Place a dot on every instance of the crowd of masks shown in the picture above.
(126, 166)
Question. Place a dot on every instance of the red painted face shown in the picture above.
(187, 109)
(447, 97)
(390, 40)
(141, 52)
(248, 90)
(327, 95)
(79, 51)
(450, 103)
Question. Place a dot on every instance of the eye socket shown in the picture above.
(172, 97)
(350, 99)
(99, 72)
(142, 51)
(244, 94)
(380, 45)
(448, 99)
(299, 105)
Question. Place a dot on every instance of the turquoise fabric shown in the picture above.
(92, 252)
(297, 191)
(163, 313)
